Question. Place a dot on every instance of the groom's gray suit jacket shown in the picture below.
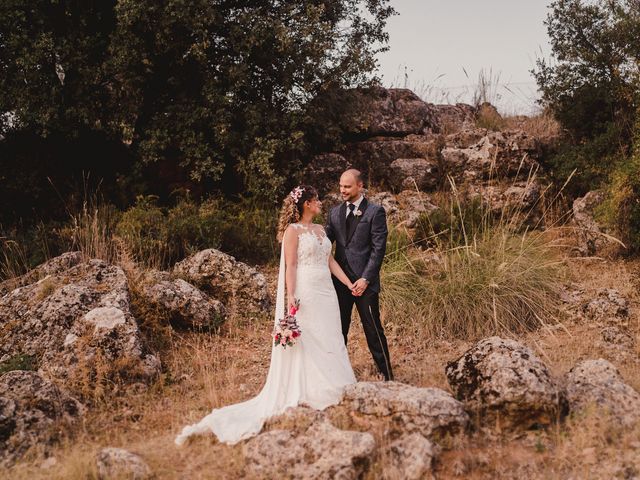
(359, 252)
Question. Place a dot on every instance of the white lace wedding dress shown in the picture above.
(314, 371)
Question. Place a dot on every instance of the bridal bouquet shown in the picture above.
(287, 330)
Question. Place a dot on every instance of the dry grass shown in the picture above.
(209, 371)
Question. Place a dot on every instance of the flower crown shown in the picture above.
(296, 193)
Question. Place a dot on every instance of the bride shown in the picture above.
(316, 369)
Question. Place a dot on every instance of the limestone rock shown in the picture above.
(188, 306)
(451, 119)
(322, 452)
(609, 306)
(509, 154)
(33, 410)
(412, 457)
(390, 111)
(618, 337)
(504, 382)
(234, 283)
(412, 205)
(375, 155)
(79, 316)
(52, 266)
(429, 411)
(412, 173)
(589, 232)
(324, 170)
(119, 463)
(599, 383)
(388, 201)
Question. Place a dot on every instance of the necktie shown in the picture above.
(350, 218)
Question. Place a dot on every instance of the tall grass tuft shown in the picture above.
(484, 274)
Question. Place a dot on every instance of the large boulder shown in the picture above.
(390, 112)
(375, 155)
(505, 384)
(406, 409)
(77, 322)
(450, 119)
(508, 154)
(598, 383)
(414, 173)
(412, 457)
(515, 200)
(608, 306)
(52, 266)
(413, 204)
(589, 232)
(324, 171)
(234, 283)
(33, 411)
(322, 452)
(187, 306)
(114, 462)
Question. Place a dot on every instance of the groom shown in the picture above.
(359, 229)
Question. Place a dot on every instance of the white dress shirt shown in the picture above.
(356, 203)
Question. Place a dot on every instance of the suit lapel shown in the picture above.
(342, 221)
(363, 208)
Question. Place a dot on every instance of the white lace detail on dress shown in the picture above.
(313, 250)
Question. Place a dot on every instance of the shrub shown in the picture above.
(621, 208)
(476, 274)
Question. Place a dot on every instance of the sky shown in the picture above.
(433, 42)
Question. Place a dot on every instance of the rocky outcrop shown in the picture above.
(598, 383)
(234, 283)
(324, 171)
(608, 306)
(430, 412)
(33, 410)
(52, 266)
(374, 156)
(588, 232)
(412, 457)
(391, 112)
(414, 173)
(77, 321)
(322, 452)
(508, 198)
(119, 463)
(187, 306)
(450, 119)
(505, 384)
(509, 154)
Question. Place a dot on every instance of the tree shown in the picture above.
(596, 45)
(220, 91)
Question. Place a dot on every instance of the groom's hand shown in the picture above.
(359, 287)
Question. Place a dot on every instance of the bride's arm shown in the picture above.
(337, 271)
(290, 240)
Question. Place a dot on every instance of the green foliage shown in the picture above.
(18, 362)
(592, 159)
(449, 224)
(595, 76)
(209, 89)
(159, 236)
(621, 208)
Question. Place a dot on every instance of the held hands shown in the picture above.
(358, 288)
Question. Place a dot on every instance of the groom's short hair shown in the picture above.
(357, 175)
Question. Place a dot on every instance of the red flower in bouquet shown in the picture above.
(287, 330)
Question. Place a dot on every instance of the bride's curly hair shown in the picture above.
(292, 206)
